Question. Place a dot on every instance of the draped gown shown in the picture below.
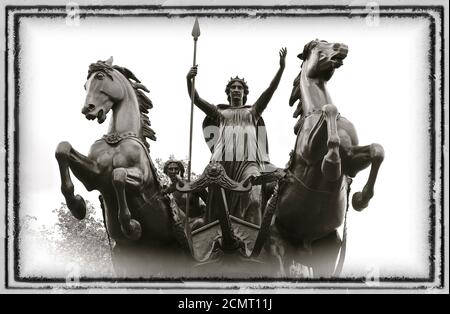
(239, 144)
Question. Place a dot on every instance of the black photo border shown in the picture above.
(12, 44)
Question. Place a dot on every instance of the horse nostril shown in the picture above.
(336, 46)
(343, 50)
(88, 108)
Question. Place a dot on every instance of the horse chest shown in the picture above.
(105, 160)
(108, 157)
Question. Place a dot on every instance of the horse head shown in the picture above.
(107, 87)
(321, 58)
(104, 89)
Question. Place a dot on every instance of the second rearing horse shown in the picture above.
(313, 197)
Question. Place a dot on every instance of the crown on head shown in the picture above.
(237, 79)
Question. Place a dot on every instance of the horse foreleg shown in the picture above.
(131, 228)
(83, 168)
(361, 158)
(331, 163)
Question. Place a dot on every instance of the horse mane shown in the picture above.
(145, 104)
(296, 96)
(296, 91)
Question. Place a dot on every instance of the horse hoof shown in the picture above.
(77, 207)
(134, 230)
(358, 203)
(331, 169)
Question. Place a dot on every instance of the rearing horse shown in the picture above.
(313, 197)
(138, 216)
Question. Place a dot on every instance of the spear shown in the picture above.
(195, 35)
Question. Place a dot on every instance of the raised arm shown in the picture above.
(265, 97)
(206, 107)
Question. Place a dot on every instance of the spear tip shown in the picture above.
(196, 29)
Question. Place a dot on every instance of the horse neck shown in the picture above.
(314, 93)
(127, 118)
(126, 114)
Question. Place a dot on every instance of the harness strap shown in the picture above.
(102, 206)
(307, 187)
(340, 264)
(299, 125)
(115, 138)
(316, 111)
(264, 230)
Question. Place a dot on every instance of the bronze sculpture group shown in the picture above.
(242, 210)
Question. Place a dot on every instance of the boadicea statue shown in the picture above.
(311, 201)
(147, 231)
(293, 234)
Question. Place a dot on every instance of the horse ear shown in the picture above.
(300, 56)
(109, 61)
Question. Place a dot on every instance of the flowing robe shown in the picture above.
(238, 140)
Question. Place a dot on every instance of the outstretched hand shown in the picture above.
(283, 53)
(192, 72)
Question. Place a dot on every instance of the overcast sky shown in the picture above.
(382, 89)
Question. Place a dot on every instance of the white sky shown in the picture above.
(382, 88)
